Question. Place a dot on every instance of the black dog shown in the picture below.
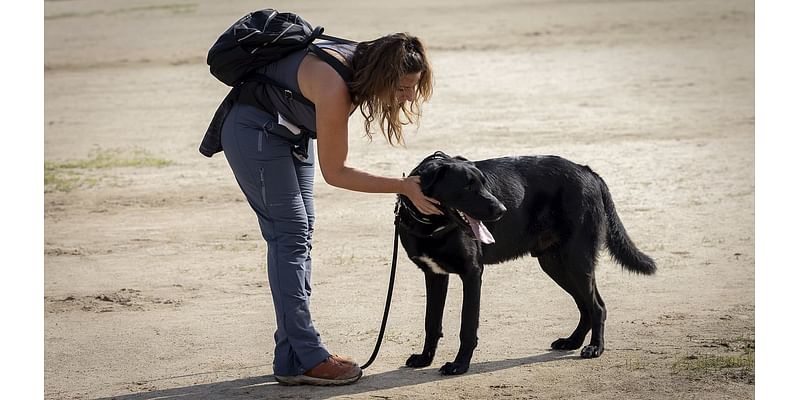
(545, 206)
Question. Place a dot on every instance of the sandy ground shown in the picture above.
(154, 267)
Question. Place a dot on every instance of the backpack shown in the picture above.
(255, 40)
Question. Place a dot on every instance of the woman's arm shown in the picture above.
(322, 85)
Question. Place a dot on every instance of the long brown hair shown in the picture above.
(378, 66)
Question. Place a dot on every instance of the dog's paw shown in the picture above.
(452, 368)
(566, 344)
(591, 351)
(419, 360)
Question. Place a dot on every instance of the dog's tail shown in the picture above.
(620, 245)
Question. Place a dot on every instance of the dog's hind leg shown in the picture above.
(470, 314)
(552, 266)
(436, 293)
(597, 342)
(576, 276)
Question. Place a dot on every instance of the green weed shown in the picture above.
(69, 175)
(715, 363)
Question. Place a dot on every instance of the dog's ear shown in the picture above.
(429, 174)
(439, 154)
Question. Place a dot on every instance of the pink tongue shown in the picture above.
(480, 230)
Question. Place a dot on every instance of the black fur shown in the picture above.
(544, 206)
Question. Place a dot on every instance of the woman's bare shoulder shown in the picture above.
(318, 81)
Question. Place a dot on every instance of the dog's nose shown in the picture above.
(501, 209)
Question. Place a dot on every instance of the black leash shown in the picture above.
(391, 286)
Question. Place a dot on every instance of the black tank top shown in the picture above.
(284, 71)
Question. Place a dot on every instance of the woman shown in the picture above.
(391, 76)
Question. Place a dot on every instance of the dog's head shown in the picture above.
(462, 190)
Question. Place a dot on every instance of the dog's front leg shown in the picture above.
(470, 313)
(435, 292)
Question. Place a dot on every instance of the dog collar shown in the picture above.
(418, 224)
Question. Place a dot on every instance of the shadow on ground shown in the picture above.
(265, 387)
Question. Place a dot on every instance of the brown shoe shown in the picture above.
(344, 359)
(327, 373)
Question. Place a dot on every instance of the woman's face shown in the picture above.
(406, 90)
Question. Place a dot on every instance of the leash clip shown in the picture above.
(397, 205)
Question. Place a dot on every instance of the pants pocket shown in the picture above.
(263, 187)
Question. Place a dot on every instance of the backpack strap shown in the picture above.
(344, 71)
(288, 93)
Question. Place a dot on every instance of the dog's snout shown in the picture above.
(499, 211)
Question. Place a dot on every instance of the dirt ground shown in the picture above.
(155, 283)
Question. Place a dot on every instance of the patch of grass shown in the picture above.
(69, 175)
(704, 363)
(173, 8)
(110, 158)
(731, 359)
(738, 367)
(61, 182)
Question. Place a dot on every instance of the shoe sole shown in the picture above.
(298, 380)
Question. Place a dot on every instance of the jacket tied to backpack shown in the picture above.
(254, 41)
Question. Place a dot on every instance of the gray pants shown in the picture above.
(279, 189)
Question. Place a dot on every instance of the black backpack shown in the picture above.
(255, 40)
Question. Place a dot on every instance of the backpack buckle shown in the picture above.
(287, 93)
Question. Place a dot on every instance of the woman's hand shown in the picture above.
(424, 204)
